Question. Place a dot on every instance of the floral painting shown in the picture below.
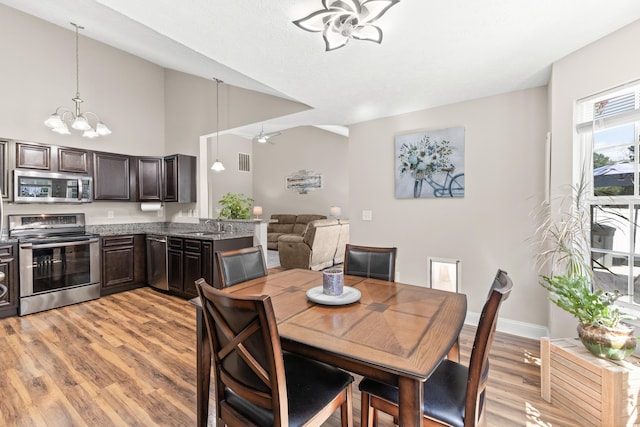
(430, 164)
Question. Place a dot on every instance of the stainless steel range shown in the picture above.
(59, 262)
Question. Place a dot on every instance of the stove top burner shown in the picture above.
(63, 227)
(57, 239)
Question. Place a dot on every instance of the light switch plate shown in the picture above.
(367, 215)
(109, 214)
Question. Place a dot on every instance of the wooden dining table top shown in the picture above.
(394, 329)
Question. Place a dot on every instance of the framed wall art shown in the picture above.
(430, 164)
(303, 181)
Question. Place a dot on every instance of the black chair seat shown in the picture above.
(311, 386)
(445, 392)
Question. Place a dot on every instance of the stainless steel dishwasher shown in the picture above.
(157, 262)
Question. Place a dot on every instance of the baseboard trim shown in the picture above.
(512, 327)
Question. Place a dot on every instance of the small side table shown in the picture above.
(597, 392)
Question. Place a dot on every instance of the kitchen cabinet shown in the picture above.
(180, 179)
(112, 177)
(184, 265)
(149, 179)
(32, 156)
(190, 259)
(74, 160)
(4, 168)
(52, 158)
(9, 295)
(123, 263)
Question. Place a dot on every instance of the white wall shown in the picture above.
(299, 148)
(491, 227)
(607, 63)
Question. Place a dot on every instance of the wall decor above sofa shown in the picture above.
(303, 181)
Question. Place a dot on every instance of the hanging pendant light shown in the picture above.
(58, 121)
(217, 165)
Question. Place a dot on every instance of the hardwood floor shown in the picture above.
(129, 359)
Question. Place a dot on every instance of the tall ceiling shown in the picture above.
(434, 52)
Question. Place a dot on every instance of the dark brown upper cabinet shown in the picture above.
(74, 160)
(149, 178)
(4, 168)
(52, 158)
(112, 178)
(180, 179)
(31, 156)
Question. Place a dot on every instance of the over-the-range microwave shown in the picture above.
(50, 187)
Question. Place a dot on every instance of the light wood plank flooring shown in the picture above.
(129, 360)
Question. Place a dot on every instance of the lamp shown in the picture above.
(335, 211)
(57, 122)
(257, 211)
(343, 20)
(217, 165)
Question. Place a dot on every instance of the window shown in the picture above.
(608, 126)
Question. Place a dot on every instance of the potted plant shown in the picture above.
(565, 242)
(235, 206)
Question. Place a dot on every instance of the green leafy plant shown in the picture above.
(235, 206)
(573, 294)
(565, 248)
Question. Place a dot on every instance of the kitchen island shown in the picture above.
(190, 252)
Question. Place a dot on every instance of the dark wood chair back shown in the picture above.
(369, 261)
(454, 395)
(251, 369)
(239, 265)
(246, 352)
(479, 361)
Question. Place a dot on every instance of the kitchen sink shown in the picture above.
(205, 233)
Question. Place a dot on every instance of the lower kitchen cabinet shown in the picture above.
(123, 263)
(9, 295)
(190, 259)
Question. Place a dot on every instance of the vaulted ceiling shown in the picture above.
(434, 52)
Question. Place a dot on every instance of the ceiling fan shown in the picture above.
(263, 137)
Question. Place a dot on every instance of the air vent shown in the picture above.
(244, 162)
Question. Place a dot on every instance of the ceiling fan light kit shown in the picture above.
(342, 20)
(263, 137)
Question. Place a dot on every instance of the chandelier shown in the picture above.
(343, 20)
(57, 122)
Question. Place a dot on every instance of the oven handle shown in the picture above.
(57, 244)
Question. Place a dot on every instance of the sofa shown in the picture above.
(322, 245)
(288, 224)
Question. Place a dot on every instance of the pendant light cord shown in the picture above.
(218, 81)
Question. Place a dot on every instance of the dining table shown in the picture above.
(393, 332)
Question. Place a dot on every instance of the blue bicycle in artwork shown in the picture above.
(453, 185)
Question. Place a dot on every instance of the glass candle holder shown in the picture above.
(333, 281)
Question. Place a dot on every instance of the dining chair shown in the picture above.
(369, 261)
(256, 382)
(454, 395)
(240, 265)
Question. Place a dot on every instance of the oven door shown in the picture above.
(49, 267)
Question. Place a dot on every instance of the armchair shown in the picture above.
(314, 250)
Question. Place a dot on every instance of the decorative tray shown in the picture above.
(349, 296)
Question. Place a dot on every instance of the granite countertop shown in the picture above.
(193, 231)
(202, 231)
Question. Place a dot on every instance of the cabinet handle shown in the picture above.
(4, 290)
